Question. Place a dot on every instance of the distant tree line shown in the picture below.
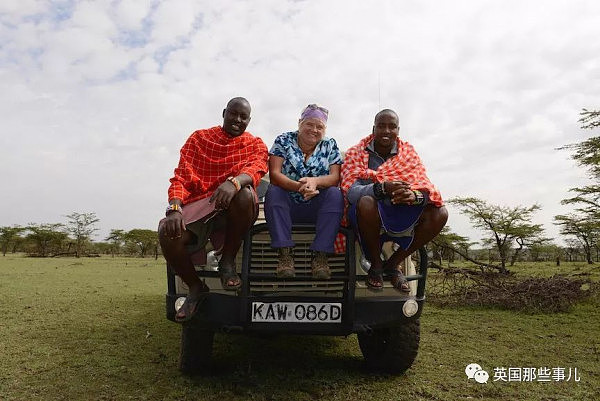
(74, 238)
(136, 242)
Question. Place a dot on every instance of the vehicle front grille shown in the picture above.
(263, 265)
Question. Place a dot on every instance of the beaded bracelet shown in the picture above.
(174, 208)
(235, 182)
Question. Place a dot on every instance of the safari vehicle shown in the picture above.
(386, 322)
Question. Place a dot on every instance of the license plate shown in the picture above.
(296, 312)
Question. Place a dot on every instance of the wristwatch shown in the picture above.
(174, 208)
(378, 191)
(419, 197)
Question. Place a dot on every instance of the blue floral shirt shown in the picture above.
(325, 154)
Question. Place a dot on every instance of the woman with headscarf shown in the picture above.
(304, 171)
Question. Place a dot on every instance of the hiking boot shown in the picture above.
(285, 266)
(319, 266)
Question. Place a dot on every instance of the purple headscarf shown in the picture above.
(314, 111)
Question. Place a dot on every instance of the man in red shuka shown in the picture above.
(218, 170)
(389, 198)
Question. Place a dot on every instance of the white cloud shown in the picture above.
(102, 94)
(130, 14)
(21, 8)
(174, 21)
(94, 18)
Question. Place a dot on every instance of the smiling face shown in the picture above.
(310, 133)
(385, 131)
(236, 116)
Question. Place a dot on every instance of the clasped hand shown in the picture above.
(308, 188)
(399, 192)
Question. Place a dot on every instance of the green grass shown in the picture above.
(78, 329)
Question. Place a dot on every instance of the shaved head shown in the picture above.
(237, 100)
(386, 111)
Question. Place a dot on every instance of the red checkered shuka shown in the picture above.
(405, 166)
(209, 156)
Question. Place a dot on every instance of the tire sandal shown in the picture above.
(374, 279)
(190, 307)
(398, 280)
(228, 274)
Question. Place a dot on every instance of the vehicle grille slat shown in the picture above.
(264, 259)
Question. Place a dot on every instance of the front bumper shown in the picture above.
(230, 313)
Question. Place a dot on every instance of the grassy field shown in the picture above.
(79, 329)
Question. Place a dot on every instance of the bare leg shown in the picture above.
(240, 217)
(429, 225)
(179, 260)
(369, 227)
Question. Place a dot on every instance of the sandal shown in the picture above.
(374, 280)
(398, 281)
(228, 276)
(190, 307)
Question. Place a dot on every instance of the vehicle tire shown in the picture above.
(391, 349)
(195, 351)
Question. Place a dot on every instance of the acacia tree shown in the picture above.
(527, 236)
(8, 236)
(587, 155)
(144, 240)
(116, 238)
(545, 251)
(573, 250)
(585, 230)
(584, 224)
(47, 239)
(448, 243)
(81, 227)
(503, 224)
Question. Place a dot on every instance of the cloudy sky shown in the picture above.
(97, 97)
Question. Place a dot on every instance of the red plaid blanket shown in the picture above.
(209, 156)
(405, 166)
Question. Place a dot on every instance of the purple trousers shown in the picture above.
(324, 211)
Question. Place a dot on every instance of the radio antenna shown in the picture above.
(379, 90)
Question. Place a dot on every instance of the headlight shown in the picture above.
(365, 265)
(179, 303)
(410, 308)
